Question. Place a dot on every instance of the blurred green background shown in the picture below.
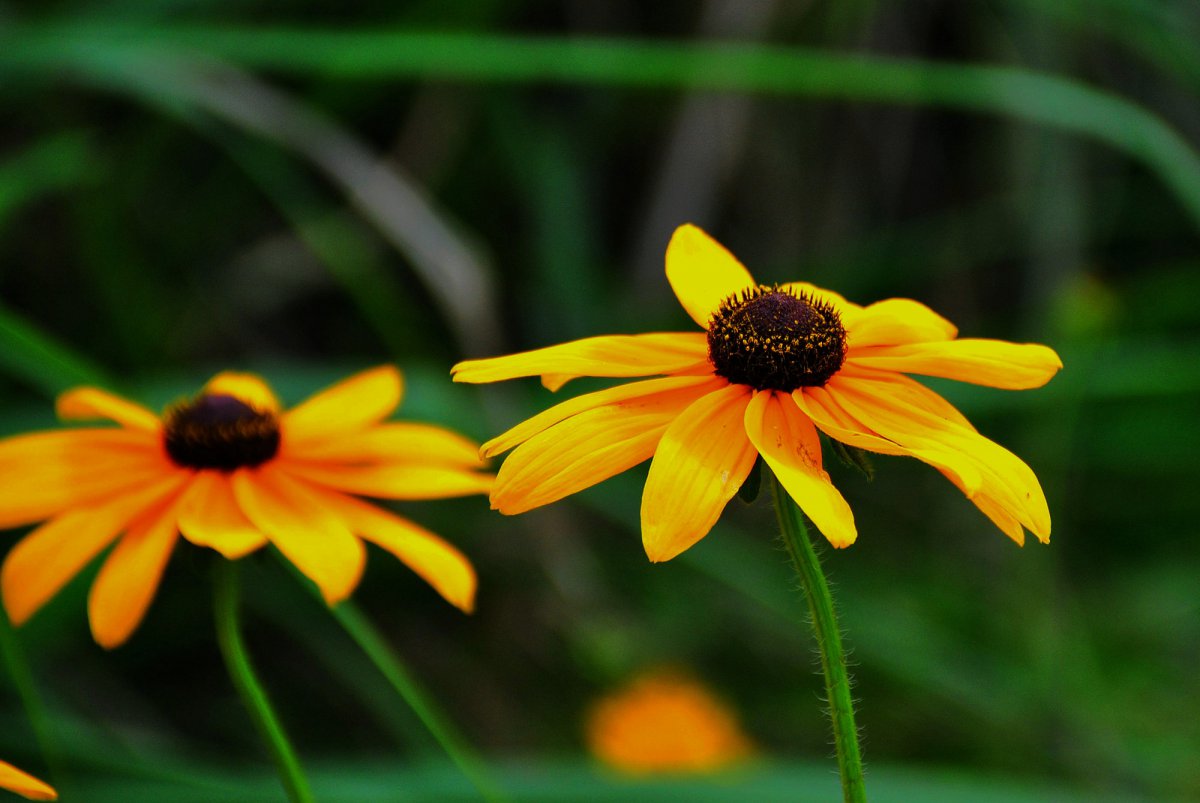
(307, 189)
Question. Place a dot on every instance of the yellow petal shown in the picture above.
(588, 448)
(703, 273)
(247, 387)
(130, 575)
(42, 562)
(352, 404)
(24, 784)
(996, 363)
(840, 425)
(90, 403)
(980, 465)
(995, 511)
(311, 536)
(910, 391)
(628, 392)
(46, 473)
(700, 463)
(846, 309)
(394, 481)
(209, 516)
(835, 421)
(607, 355)
(896, 321)
(789, 444)
(437, 562)
(393, 443)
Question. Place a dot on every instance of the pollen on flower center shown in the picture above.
(221, 432)
(771, 338)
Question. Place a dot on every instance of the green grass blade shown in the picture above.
(35, 358)
(1020, 94)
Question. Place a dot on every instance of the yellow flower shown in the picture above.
(24, 784)
(665, 722)
(774, 362)
(231, 471)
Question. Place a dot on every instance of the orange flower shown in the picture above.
(24, 784)
(665, 722)
(231, 471)
(776, 364)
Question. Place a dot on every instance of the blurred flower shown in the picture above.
(665, 721)
(24, 784)
(231, 471)
(774, 362)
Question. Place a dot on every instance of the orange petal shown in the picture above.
(209, 516)
(249, 388)
(24, 784)
(996, 363)
(588, 448)
(393, 443)
(699, 465)
(352, 404)
(896, 321)
(46, 473)
(621, 393)
(437, 562)
(91, 403)
(979, 466)
(789, 444)
(607, 355)
(703, 273)
(311, 536)
(42, 562)
(129, 577)
(392, 481)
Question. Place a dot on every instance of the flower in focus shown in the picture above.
(775, 365)
(232, 471)
(665, 722)
(24, 784)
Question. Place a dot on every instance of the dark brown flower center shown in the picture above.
(771, 338)
(221, 432)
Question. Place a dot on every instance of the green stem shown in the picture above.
(254, 697)
(22, 677)
(385, 659)
(829, 639)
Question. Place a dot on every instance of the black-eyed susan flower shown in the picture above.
(775, 365)
(24, 784)
(665, 722)
(228, 469)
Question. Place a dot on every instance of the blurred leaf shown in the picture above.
(55, 162)
(33, 357)
(1018, 93)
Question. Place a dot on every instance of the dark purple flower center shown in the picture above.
(221, 432)
(771, 338)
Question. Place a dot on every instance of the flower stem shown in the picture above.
(254, 697)
(829, 640)
(367, 637)
(21, 673)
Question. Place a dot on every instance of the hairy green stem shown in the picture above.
(385, 659)
(829, 640)
(254, 697)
